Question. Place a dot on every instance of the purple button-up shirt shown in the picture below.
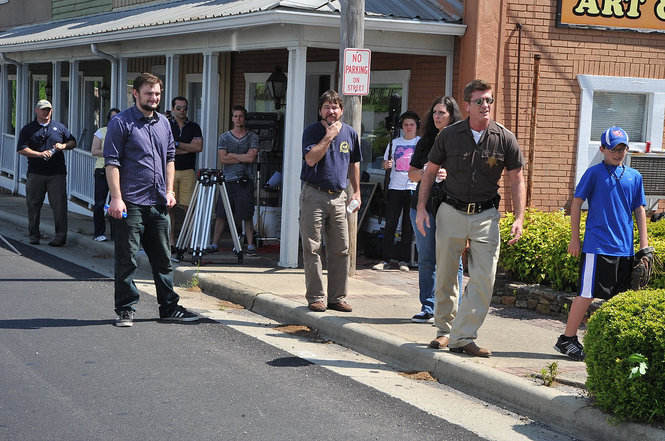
(140, 147)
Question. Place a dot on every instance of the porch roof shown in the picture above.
(442, 16)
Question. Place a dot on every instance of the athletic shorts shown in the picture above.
(183, 186)
(603, 277)
(241, 197)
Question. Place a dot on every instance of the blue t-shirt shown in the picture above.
(609, 224)
(331, 172)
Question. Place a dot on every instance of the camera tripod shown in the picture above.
(195, 233)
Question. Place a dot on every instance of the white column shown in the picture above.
(172, 80)
(24, 113)
(449, 74)
(56, 95)
(74, 100)
(293, 128)
(4, 100)
(209, 111)
(120, 92)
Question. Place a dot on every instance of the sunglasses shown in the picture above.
(180, 107)
(479, 101)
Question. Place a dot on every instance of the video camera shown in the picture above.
(394, 111)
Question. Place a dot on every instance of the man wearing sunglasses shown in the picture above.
(474, 152)
(188, 142)
(42, 141)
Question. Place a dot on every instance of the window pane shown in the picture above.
(375, 136)
(626, 110)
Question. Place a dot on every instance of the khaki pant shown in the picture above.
(453, 228)
(324, 215)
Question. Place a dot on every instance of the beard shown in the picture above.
(149, 107)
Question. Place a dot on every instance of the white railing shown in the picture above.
(7, 153)
(81, 175)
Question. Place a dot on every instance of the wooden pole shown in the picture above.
(352, 35)
(534, 121)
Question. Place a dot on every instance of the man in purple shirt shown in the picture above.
(139, 154)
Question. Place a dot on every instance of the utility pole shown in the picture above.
(352, 35)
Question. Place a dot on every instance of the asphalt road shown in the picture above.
(69, 374)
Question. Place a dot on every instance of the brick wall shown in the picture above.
(565, 53)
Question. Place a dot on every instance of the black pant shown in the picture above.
(398, 202)
(101, 192)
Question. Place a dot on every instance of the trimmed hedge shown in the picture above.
(631, 322)
(541, 255)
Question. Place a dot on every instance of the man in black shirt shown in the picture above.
(188, 142)
(42, 142)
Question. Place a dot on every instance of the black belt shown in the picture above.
(325, 190)
(472, 207)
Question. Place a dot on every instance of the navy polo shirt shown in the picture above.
(331, 172)
(41, 138)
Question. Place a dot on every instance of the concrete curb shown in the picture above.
(460, 372)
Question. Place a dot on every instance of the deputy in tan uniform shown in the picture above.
(474, 152)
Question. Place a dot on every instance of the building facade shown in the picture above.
(562, 71)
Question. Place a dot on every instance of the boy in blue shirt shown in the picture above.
(613, 191)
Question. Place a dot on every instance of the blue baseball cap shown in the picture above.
(613, 136)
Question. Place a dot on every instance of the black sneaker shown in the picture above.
(180, 314)
(571, 347)
(423, 317)
(125, 319)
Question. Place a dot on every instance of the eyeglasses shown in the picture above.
(619, 150)
(180, 107)
(479, 101)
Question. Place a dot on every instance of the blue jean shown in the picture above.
(146, 225)
(426, 246)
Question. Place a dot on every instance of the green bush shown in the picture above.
(629, 323)
(541, 254)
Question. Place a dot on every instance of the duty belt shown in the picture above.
(472, 207)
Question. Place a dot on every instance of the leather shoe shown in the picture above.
(57, 243)
(317, 306)
(439, 342)
(473, 350)
(34, 241)
(341, 306)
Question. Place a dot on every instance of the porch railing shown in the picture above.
(81, 172)
(7, 153)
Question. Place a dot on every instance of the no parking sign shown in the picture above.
(356, 71)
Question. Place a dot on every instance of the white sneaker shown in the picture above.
(100, 238)
(403, 266)
(381, 266)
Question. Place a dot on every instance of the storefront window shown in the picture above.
(375, 136)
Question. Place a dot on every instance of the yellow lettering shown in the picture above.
(634, 8)
(586, 7)
(659, 9)
(612, 8)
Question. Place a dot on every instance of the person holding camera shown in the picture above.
(398, 199)
(42, 141)
(237, 150)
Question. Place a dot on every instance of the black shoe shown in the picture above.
(125, 319)
(571, 347)
(57, 243)
(34, 241)
(423, 317)
(180, 314)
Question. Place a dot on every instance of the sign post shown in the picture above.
(356, 71)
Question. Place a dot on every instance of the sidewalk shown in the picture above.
(383, 303)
